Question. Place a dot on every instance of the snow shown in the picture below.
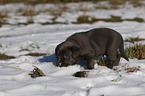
(14, 78)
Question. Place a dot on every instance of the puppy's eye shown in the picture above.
(66, 56)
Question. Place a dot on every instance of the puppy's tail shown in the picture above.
(121, 49)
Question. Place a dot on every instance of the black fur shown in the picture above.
(91, 44)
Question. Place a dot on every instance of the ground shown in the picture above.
(20, 40)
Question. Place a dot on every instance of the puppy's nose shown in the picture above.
(59, 64)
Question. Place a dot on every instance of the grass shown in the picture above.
(3, 15)
(24, 50)
(1, 45)
(81, 74)
(134, 39)
(137, 19)
(117, 2)
(34, 2)
(133, 69)
(136, 51)
(57, 11)
(5, 57)
(36, 73)
(88, 19)
(55, 22)
(84, 19)
(55, 14)
(136, 3)
(29, 11)
(101, 61)
(113, 19)
(132, 51)
(36, 54)
(30, 46)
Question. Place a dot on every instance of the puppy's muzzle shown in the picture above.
(60, 64)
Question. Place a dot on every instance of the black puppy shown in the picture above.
(91, 44)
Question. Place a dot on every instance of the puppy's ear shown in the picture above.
(75, 51)
(57, 49)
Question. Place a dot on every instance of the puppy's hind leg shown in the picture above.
(116, 63)
(90, 63)
(112, 59)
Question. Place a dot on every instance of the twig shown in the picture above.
(11, 67)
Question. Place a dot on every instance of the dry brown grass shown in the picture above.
(101, 61)
(84, 19)
(3, 16)
(136, 3)
(136, 51)
(36, 73)
(90, 19)
(29, 12)
(34, 2)
(55, 14)
(57, 10)
(117, 2)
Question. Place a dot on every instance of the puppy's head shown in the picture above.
(66, 54)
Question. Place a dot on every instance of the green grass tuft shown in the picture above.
(136, 51)
(101, 61)
(5, 57)
(134, 39)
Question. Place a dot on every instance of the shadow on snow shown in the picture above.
(52, 58)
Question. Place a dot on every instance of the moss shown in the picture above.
(5, 57)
